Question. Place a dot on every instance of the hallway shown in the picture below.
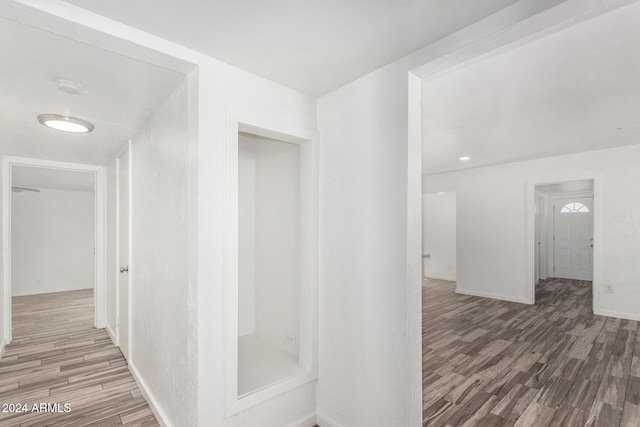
(57, 356)
(494, 363)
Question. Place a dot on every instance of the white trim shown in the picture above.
(492, 296)
(125, 150)
(8, 162)
(597, 233)
(324, 421)
(2, 346)
(118, 249)
(307, 421)
(111, 334)
(449, 278)
(148, 396)
(272, 127)
(618, 314)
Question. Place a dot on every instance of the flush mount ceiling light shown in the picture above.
(65, 123)
(465, 158)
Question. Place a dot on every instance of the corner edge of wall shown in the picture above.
(324, 421)
(148, 396)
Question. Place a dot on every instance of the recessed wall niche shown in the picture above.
(276, 297)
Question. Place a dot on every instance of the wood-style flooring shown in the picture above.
(494, 363)
(57, 356)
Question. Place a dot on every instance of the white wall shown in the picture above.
(370, 229)
(370, 219)
(111, 238)
(439, 235)
(158, 268)
(248, 97)
(277, 231)
(246, 235)
(269, 239)
(215, 89)
(52, 241)
(492, 203)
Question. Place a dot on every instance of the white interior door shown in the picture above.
(538, 234)
(123, 253)
(573, 238)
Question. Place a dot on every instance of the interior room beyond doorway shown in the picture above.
(564, 230)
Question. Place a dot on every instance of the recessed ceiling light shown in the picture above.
(465, 158)
(65, 123)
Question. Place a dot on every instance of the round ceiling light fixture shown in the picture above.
(465, 158)
(65, 123)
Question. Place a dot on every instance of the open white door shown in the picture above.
(573, 238)
(123, 253)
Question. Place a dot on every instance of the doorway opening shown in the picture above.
(53, 235)
(563, 221)
(439, 250)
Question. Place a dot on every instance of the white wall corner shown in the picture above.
(617, 314)
(493, 296)
(157, 410)
(111, 334)
(308, 421)
(324, 421)
(438, 277)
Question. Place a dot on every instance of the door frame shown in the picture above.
(597, 233)
(118, 337)
(8, 162)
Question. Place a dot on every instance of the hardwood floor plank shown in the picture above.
(604, 415)
(582, 394)
(568, 416)
(630, 415)
(495, 363)
(57, 356)
(535, 415)
(515, 402)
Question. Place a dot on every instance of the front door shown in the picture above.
(573, 238)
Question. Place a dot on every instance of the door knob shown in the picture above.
(123, 269)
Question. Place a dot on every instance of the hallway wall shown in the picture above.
(370, 222)
(52, 241)
(158, 264)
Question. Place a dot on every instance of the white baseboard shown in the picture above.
(433, 276)
(111, 334)
(153, 404)
(492, 296)
(324, 421)
(308, 421)
(2, 345)
(618, 314)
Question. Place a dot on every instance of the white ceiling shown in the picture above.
(118, 95)
(313, 46)
(572, 91)
(41, 178)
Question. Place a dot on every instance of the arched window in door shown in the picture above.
(574, 207)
